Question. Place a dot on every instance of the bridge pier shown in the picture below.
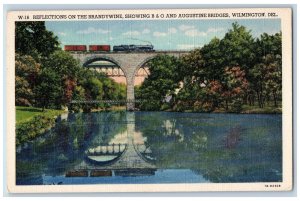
(130, 92)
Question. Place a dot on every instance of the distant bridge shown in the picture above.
(108, 101)
(122, 101)
(129, 62)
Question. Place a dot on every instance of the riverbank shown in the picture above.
(246, 109)
(112, 108)
(32, 122)
(25, 114)
(256, 110)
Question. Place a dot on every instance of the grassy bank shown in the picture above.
(268, 109)
(245, 109)
(24, 114)
(32, 122)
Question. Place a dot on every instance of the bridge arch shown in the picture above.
(92, 59)
(141, 64)
(129, 63)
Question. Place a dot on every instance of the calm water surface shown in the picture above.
(154, 147)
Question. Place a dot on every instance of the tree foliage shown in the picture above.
(27, 71)
(161, 83)
(32, 38)
(48, 90)
(223, 75)
(48, 77)
(237, 47)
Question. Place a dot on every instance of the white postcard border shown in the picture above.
(286, 26)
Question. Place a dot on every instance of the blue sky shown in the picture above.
(164, 34)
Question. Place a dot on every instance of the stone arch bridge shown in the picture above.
(129, 62)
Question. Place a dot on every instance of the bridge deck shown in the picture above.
(131, 52)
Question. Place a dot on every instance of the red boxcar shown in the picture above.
(102, 48)
(75, 47)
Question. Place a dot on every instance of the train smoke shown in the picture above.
(141, 40)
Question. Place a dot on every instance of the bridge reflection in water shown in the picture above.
(130, 158)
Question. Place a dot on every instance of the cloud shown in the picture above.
(131, 33)
(184, 27)
(171, 30)
(159, 34)
(62, 33)
(91, 30)
(214, 30)
(195, 32)
(191, 31)
(145, 31)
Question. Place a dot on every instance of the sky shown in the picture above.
(162, 34)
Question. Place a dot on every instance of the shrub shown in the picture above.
(32, 129)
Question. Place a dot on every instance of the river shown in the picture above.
(154, 147)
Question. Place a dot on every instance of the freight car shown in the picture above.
(75, 47)
(133, 48)
(99, 48)
(107, 48)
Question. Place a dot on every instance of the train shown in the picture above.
(107, 48)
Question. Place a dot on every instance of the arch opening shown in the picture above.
(142, 71)
(107, 66)
(115, 90)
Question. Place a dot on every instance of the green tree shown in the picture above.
(95, 88)
(213, 59)
(238, 48)
(194, 74)
(48, 90)
(274, 77)
(32, 38)
(233, 88)
(64, 64)
(161, 83)
(68, 70)
(206, 78)
(77, 95)
(268, 44)
(231, 71)
(266, 78)
(27, 71)
(120, 91)
(24, 93)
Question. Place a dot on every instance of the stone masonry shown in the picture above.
(128, 62)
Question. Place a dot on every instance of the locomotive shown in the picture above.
(107, 48)
(133, 48)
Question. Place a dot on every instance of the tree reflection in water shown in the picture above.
(220, 147)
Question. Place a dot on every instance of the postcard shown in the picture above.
(159, 100)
